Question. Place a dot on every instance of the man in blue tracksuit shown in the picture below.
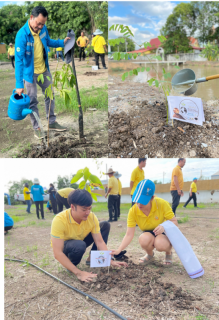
(31, 60)
(8, 223)
(37, 192)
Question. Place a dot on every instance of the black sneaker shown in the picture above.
(104, 67)
(43, 219)
(56, 127)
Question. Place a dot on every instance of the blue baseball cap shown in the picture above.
(144, 192)
(195, 179)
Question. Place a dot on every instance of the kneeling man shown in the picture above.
(75, 229)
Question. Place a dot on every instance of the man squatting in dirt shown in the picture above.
(148, 213)
(31, 59)
(176, 185)
(75, 229)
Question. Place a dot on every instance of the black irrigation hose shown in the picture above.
(68, 285)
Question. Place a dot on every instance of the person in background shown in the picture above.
(27, 197)
(112, 191)
(148, 212)
(11, 53)
(137, 175)
(8, 223)
(176, 185)
(99, 45)
(52, 198)
(82, 42)
(59, 53)
(62, 198)
(37, 192)
(192, 193)
(49, 207)
(117, 176)
(75, 229)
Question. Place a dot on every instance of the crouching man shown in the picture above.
(75, 229)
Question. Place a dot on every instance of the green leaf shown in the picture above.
(135, 55)
(82, 185)
(126, 56)
(150, 82)
(126, 74)
(122, 40)
(164, 71)
(40, 78)
(76, 177)
(123, 77)
(115, 56)
(157, 83)
(130, 55)
(88, 189)
(122, 55)
(148, 69)
(86, 174)
(177, 67)
(131, 73)
(48, 78)
(94, 196)
(143, 69)
(158, 58)
(162, 38)
(135, 72)
(167, 75)
(95, 179)
(139, 69)
(147, 44)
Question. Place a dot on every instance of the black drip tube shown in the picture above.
(68, 285)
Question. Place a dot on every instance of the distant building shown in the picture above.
(215, 176)
(193, 42)
(155, 43)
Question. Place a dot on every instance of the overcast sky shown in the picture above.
(47, 170)
(145, 19)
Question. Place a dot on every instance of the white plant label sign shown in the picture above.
(186, 109)
(100, 259)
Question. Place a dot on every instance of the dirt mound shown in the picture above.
(90, 73)
(66, 148)
(145, 285)
(143, 130)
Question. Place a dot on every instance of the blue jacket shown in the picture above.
(24, 53)
(8, 221)
(37, 192)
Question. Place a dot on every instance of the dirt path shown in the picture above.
(137, 125)
(139, 292)
(17, 136)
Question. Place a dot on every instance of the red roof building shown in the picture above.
(155, 43)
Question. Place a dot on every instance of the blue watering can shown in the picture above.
(18, 107)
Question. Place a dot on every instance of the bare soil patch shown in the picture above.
(17, 136)
(138, 292)
(137, 125)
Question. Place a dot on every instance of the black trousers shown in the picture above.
(118, 204)
(113, 204)
(61, 201)
(75, 249)
(81, 52)
(190, 198)
(175, 200)
(8, 228)
(54, 204)
(39, 204)
(12, 60)
(102, 56)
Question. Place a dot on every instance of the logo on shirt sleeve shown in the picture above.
(18, 49)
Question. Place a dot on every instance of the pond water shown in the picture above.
(206, 90)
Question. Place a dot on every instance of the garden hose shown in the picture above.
(68, 285)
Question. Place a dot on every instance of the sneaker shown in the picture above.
(38, 134)
(43, 219)
(109, 220)
(104, 67)
(55, 126)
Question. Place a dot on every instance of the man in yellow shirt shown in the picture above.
(74, 230)
(148, 212)
(137, 175)
(27, 198)
(82, 42)
(192, 193)
(11, 53)
(59, 53)
(62, 198)
(31, 60)
(117, 176)
(112, 191)
(176, 185)
(99, 44)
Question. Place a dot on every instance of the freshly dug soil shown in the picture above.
(90, 73)
(143, 285)
(137, 126)
(61, 148)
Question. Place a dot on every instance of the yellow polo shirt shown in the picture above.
(113, 183)
(120, 187)
(66, 228)
(177, 171)
(59, 49)
(82, 41)
(160, 212)
(136, 177)
(98, 42)
(65, 192)
(26, 196)
(11, 51)
(39, 62)
(193, 187)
